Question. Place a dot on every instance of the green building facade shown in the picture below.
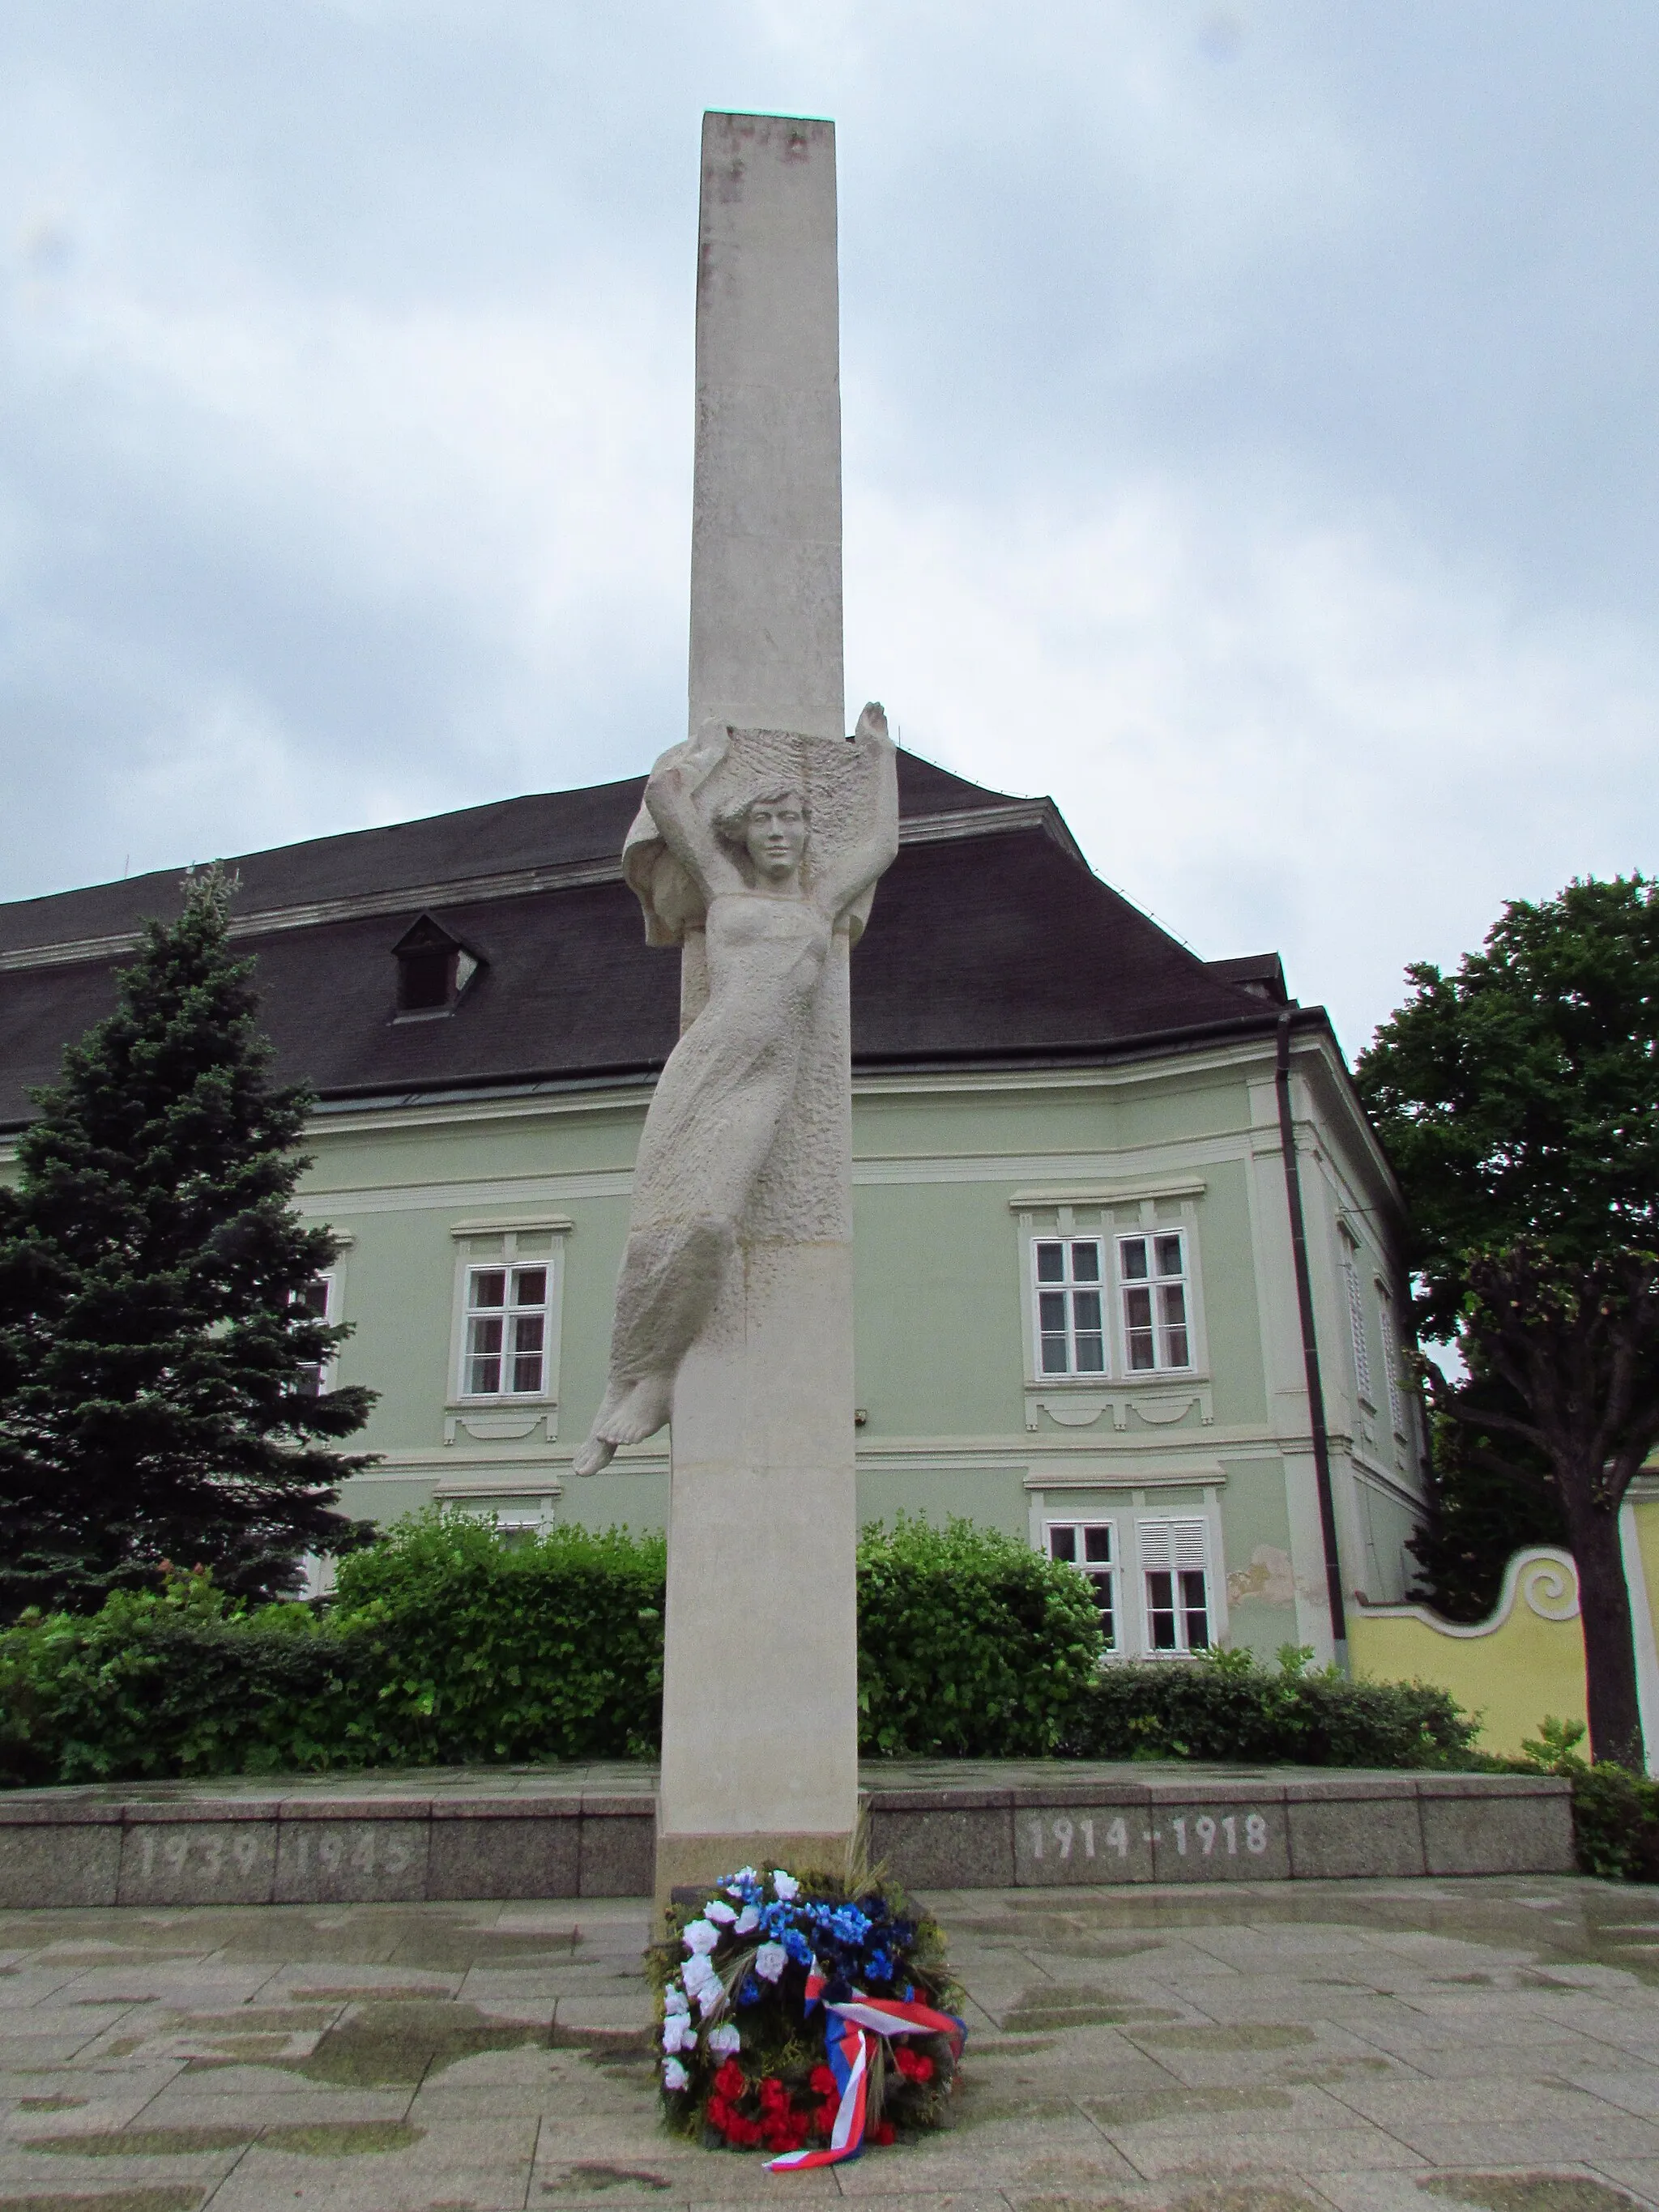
(1076, 1301)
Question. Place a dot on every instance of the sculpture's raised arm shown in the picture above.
(853, 872)
(671, 800)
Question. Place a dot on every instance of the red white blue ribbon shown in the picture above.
(846, 2034)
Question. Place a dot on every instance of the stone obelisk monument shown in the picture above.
(757, 851)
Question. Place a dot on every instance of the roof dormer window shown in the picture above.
(433, 969)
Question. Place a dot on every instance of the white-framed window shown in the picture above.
(320, 1301)
(1391, 1361)
(508, 1307)
(1152, 1286)
(1070, 1314)
(1174, 1558)
(504, 1341)
(1091, 1547)
(1362, 1355)
(1112, 1300)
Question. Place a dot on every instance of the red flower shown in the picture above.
(729, 2081)
(717, 2113)
(822, 2082)
(774, 2097)
(913, 2064)
(824, 2119)
(882, 2133)
(745, 2133)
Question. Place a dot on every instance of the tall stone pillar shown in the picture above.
(760, 1733)
(766, 627)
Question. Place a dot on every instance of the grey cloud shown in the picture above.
(1380, 275)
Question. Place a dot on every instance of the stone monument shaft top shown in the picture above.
(766, 592)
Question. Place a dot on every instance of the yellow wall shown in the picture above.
(1516, 1667)
(1645, 1513)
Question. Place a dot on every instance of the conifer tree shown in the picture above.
(159, 1361)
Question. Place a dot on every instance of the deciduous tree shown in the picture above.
(1519, 1099)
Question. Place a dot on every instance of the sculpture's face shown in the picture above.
(776, 835)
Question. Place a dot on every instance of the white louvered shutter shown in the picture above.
(1174, 1547)
(1362, 1357)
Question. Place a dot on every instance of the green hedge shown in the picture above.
(1226, 1706)
(547, 1646)
(971, 1645)
(445, 1645)
(177, 1683)
(1615, 1814)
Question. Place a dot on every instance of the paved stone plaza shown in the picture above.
(1355, 2044)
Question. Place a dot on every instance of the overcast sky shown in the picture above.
(1249, 424)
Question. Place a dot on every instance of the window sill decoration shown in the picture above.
(1156, 1400)
(806, 2017)
(496, 1424)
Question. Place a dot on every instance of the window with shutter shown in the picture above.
(1174, 1573)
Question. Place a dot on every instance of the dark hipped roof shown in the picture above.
(549, 829)
(991, 940)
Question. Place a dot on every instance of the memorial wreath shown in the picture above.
(805, 2017)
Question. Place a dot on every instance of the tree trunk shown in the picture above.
(1615, 1715)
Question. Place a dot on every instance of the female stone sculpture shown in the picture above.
(772, 907)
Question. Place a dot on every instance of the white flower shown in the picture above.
(677, 2032)
(747, 1921)
(674, 2076)
(724, 2042)
(701, 1936)
(770, 1961)
(785, 1886)
(744, 1875)
(673, 1999)
(715, 1910)
(699, 1970)
(711, 1998)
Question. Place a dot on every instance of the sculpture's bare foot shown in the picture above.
(632, 1412)
(596, 1452)
(602, 1440)
(641, 1412)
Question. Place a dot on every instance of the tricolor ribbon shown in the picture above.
(847, 2035)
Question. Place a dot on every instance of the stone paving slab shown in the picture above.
(1319, 2046)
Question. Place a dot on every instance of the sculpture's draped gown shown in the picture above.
(713, 1120)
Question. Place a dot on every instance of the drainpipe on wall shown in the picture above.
(1322, 1451)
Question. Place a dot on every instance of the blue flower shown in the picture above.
(749, 1991)
(881, 1967)
(797, 1945)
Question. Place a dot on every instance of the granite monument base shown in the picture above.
(576, 1831)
